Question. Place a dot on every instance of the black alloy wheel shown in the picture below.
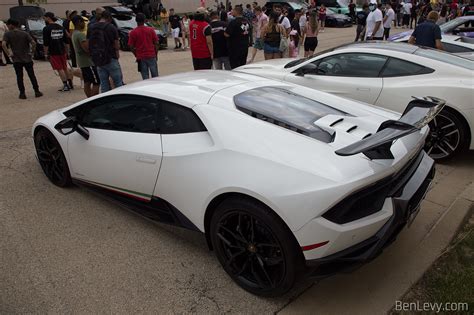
(255, 248)
(447, 136)
(52, 159)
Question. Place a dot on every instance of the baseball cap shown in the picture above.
(50, 15)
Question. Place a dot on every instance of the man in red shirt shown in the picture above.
(144, 44)
(200, 33)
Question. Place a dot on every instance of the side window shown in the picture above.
(397, 68)
(130, 113)
(179, 119)
(456, 48)
(351, 65)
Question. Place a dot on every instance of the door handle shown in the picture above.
(143, 159)
(363, 89)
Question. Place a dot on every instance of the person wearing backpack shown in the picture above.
(103, 41)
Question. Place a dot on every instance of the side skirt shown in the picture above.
(155, 209)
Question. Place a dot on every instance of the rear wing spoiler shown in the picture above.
(418, 113)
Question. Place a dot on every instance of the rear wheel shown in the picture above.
(255, 247)
(448, 136)
(52, 159)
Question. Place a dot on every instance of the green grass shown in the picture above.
(451, 277)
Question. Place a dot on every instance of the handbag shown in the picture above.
(283, 43)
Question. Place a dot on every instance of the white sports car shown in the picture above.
(388, 75)
(455, 44)
(282, 180)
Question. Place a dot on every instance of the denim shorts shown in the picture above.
(267, 49)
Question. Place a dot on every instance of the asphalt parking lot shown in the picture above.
(69, 251)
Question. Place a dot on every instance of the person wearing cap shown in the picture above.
(89, 72)
(21, 45)
(202, 48)
(104, 49)
(144, 44)
(374, 29)
(238, 33)
(428, 33)
(55, 44)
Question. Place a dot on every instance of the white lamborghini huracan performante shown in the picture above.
(282, 180)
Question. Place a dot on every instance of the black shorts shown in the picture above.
(310, 43)
(90, 75)
(202, 63)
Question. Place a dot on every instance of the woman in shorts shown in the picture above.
(322, 16)
(272, 34)
(311, 31)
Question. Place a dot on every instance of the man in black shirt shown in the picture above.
(176, 26)
(427, 33)
(104, 48)
(56, 46)
(361, 18)
(238, 33)
(221, 53)
(21, 45)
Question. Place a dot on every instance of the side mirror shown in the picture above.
(306, 69)
(69, 125)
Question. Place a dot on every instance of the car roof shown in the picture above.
(189, 88)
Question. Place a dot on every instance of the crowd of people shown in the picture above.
(218, 39)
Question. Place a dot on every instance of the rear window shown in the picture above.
(287, 109)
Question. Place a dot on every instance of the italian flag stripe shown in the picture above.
(122, 191)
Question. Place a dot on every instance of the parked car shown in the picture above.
(336, 19)
(455, 44)
(126, 23)
(388, 75)
(282, 180)
(462, 26)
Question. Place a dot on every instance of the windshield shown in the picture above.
(448, 26)
(300, 61)
(445, 57)
(36, 25)
(125, 21)
(285, 108)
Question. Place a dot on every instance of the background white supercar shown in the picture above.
(297, 176)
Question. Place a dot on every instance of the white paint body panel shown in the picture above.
(297, 176)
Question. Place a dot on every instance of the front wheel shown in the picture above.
(448, 136)
(52, 159)
(255, 247)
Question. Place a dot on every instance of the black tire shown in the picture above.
(51, 158)
(448, 136)
(255, 247)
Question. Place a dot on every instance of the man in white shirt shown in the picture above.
(406, 13)
(387, 20)
(374, 29)
(282, 20)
